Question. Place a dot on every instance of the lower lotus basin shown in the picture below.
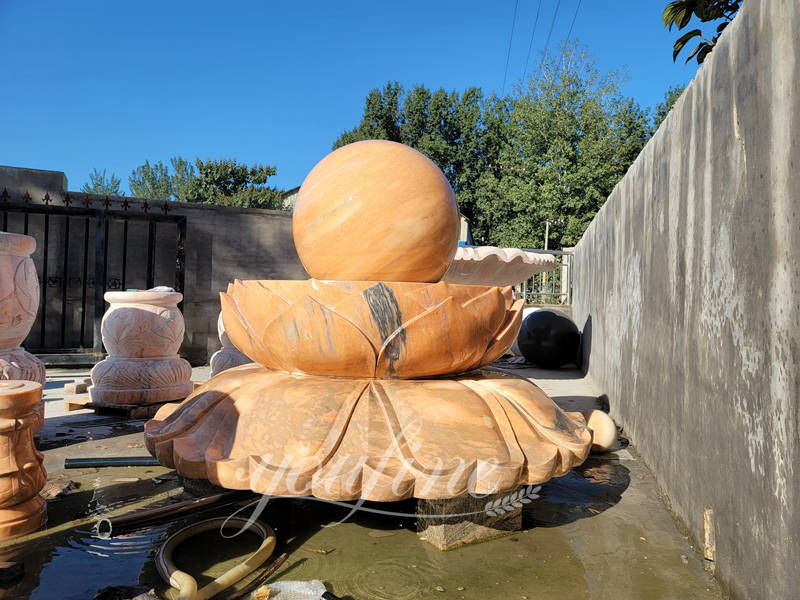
(370, 329)
(286, 434)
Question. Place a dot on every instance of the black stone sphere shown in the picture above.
(549, 339)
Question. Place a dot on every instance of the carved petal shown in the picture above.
(279, 433)
(443, 339)
(508, 294)
(489, 310)
(311, 338)
(239, 333)
(505, 337)
(378, 311)
(431, 295)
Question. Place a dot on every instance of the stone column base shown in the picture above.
(152, 380)
(23, 518)
(19, 364)
(455, 522)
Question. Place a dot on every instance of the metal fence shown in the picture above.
(554, 287)
(83, 249)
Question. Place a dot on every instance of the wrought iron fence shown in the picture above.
(83, 249)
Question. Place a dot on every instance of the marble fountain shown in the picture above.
(370, 380)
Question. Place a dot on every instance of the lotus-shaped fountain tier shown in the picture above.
(279, 433)
(370, 329)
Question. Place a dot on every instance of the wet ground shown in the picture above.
(599, 532)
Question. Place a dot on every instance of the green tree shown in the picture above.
(552, 152)
(680, 12)
(100, 185)
(181, 178)
(228, 183)
(571, 137)
(663, 107)
(159, 183)
(152, 182)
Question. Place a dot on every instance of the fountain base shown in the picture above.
(285, 434)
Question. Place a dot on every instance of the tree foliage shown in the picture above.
(223, 181)
(153, 182)
(101, 185)
(553, 151)
(680, 12)
(229, 183)
(663, 108)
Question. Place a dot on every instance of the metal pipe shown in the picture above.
(107, 527)
(110, 461)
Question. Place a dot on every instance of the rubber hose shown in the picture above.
(186, 584)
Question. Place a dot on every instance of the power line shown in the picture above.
(549, 33)
(510, 39)
(530, 44)
(575, 16)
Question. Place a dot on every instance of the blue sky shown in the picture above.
(109, 84)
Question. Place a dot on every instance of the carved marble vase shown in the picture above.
(22, 474)
(228, 356)
(142, 332)
(19, 301)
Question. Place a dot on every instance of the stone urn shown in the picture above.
(228, 356)
(22, 474)
(19, 302)
(142, 332)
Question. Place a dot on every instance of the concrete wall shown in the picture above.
(221, 244)
(687, 285)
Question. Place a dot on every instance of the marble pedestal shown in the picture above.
(19, 302)
(142, 332)
(22, 474)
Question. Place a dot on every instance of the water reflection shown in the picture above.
(585, 491)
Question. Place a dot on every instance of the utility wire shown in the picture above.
(575, 16)
(530, 44)
(549, 33)
(510, 39)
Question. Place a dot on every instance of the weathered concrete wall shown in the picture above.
(221, 244)
(687, 284)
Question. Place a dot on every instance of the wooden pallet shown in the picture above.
(129, 411)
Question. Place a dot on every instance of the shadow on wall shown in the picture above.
(586, 345)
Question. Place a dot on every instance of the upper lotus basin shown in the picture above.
(370, 329)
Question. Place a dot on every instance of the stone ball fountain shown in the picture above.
(369, 379)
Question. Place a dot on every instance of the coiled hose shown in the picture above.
(186, 584)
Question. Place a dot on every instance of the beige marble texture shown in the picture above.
(375, 211)
(19, 302)
(142, 332)
(228, 356)
(488, 265)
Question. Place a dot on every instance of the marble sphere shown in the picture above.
(376, 211)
